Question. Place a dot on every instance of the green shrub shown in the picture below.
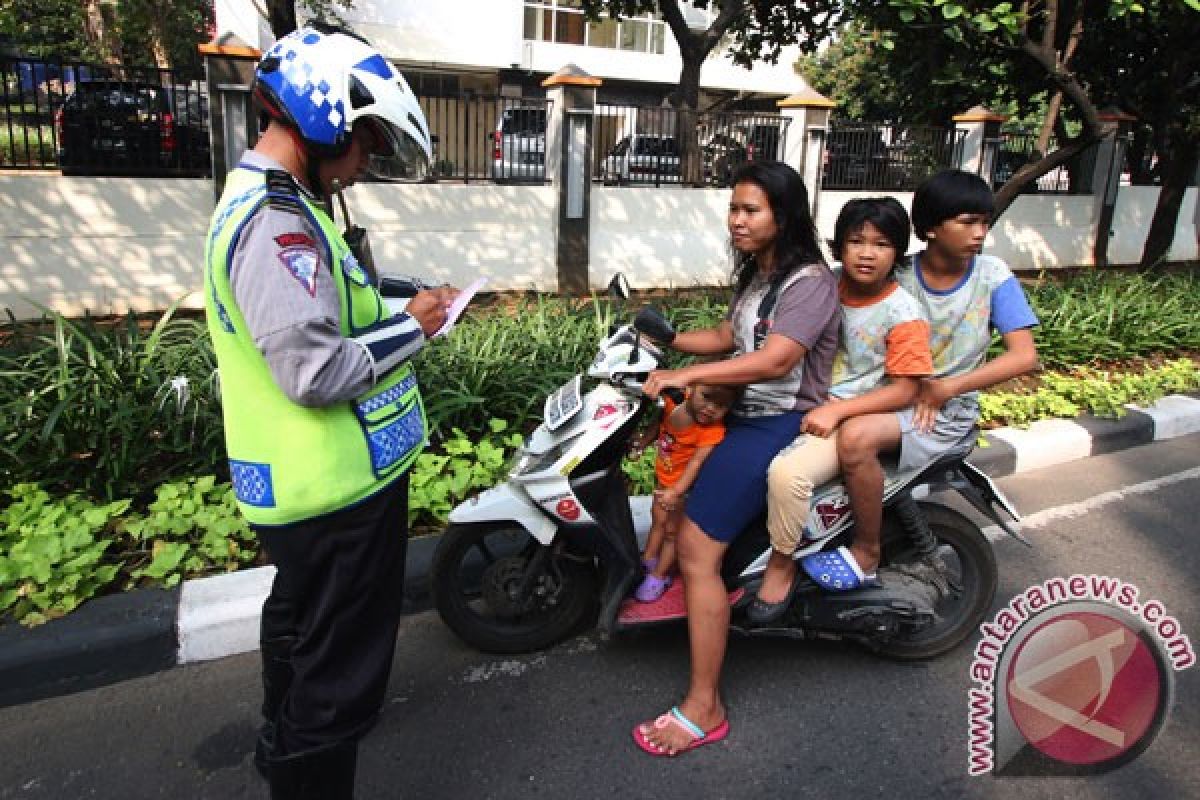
(113, 409)
(1101, 317)
(110, 409)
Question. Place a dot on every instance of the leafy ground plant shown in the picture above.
(59, 552)
(192, 528)
(53, 552)
(439, 481)
(1103, 393)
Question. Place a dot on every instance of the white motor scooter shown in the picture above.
(530, 561)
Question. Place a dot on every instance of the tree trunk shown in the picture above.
(1031, 172)
(1180, 166)
(99, 33)
(687, 101)
(693, 49)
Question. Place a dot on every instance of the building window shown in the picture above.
(562, 21)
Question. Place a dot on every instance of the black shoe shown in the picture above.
(762, 613)
(324, 774)
(263, 748)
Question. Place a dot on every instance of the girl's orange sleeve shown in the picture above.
(908, 353)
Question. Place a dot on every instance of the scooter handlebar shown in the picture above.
(650, 321)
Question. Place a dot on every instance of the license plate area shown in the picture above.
(563, 404)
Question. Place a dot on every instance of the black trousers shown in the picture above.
(337, 592)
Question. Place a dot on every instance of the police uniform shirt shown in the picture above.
(283, 286)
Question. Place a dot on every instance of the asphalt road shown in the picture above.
(809, 719)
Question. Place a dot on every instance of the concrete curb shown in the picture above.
(137, 633)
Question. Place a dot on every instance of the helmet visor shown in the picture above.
(399, 158)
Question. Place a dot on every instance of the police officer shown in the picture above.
(322, 412)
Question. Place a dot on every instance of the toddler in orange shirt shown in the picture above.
(686, 435)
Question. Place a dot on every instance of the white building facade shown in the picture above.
(508, 46)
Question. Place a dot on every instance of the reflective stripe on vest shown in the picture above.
(288, 462)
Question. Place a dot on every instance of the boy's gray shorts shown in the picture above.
(955, 424)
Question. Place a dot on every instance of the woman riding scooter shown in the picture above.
(783, 330)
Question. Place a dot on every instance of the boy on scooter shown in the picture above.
(963, 295)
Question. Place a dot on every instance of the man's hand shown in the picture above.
(428, 308)
(821, 421)
(931, 396)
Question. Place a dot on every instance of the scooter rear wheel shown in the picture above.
(480, 589)
(971, 570)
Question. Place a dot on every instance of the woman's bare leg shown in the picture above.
(708, 631)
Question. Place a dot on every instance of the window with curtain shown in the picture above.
(562, 21)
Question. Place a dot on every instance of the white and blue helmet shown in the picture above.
(320, 83)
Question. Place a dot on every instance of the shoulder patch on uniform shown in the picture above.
(302, 263)
(282, 182)
(354, 271)
(282, 192)
(293, 239)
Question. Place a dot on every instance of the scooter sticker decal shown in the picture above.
(605, 410)
(568, 509)
(828, 512)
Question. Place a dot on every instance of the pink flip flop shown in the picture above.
(675, 717)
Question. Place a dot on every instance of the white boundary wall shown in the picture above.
(107, 245)
(457, 233)
(100, 244)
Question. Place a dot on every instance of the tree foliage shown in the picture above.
(133, 32)
(48, 29)
(1148, 65)
(283, 15)
(918, 76)
(751, 30)
(1073, 57)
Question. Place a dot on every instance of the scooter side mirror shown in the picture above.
(650, 321)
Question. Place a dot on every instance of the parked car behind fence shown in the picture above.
(125, 127)
(642, 158)
(731, 145)
(519, 144)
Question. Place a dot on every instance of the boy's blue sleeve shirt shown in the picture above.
(1010, 307)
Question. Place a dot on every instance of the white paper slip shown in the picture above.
(459, 305)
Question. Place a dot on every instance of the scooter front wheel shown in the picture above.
(502, 591)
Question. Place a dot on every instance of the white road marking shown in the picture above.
(1071, 510)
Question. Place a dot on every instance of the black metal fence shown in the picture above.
(480, 138)
(859, 156)
(101, 119)
(643, 145)
(1013, 150)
